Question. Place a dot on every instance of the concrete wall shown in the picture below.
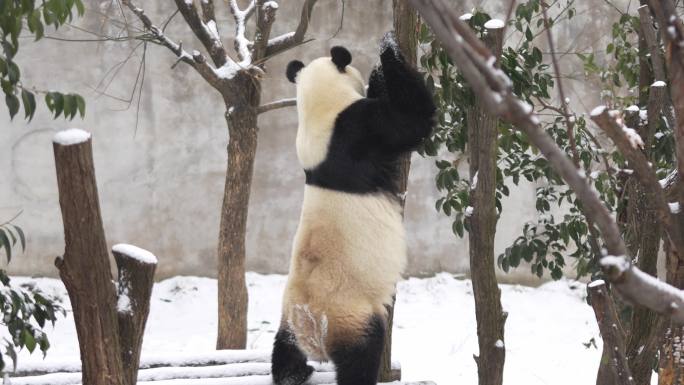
(161, 184)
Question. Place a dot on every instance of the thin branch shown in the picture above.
(12, 219)
(289, 40)
(207, 33)
(569, 121)
(649, 34)
(277, 104)
(197, 60)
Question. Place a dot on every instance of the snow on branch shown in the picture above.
(197, 60)
(205, 30)
(242, 44)
(289, 40)
(643, 289)
(277, 104)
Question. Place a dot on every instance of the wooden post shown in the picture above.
(482, 143)
(617, 372)
(136, 278)
(84, 268)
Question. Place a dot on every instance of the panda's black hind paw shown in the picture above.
(293, 377)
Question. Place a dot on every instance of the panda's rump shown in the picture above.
(348, 254)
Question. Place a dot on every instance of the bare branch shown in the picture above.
(242, 44)
(649, 34)
(646, 176)
(569, 121)
(197, 61)
(292, 39)
(672, 31)
(207, 33)
(266, 14)
(276, 105)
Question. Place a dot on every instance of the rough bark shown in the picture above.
(136, 279)
(617, 370)
(406, 26)
(242, 143)
(670, 368)
(482, 142)
(84, 268)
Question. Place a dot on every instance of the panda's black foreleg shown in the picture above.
(288, 362)
(358, 362)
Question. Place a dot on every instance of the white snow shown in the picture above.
(494, 24)
(71, 136)
(633, 137)
(621, 263)
(135, 252)
(597, 111)
(658, 135)
(271, 4)
(668, 179)
(469, 211)
(123, 303)
(473, 184)
(633, 108)
(594, 174)
(674, 207)
(466, 16)
(434, 327)
(598, 282)
(499, 344)
(658, 83)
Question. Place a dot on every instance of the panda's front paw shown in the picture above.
(376, 83)
(389, 49)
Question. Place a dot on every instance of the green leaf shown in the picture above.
(29, 103)
(80, 103)
(13, 104)
(22, 237)
(5, 242)
(29, 340)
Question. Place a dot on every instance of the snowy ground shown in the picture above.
(434, 332)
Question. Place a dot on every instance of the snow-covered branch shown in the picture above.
(242, 44)
(289, 40)
(643, 289)
(206, 32)
(197, 60)
(282, 103)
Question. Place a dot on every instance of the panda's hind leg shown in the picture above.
(357, 359)
(288, 362)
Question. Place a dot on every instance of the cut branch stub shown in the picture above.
(85, 269)
(136, 277)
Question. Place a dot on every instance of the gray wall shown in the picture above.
(161, 185)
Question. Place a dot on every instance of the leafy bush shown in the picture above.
(14, 15)
(25, 311)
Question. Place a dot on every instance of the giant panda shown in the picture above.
(349, 249)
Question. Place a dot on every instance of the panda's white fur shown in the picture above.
(322, 93)
(349, 250)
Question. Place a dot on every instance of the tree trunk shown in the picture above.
(85, 269)
(482, 139)
(614, 369)
(242, 101)
(670, 367)
(136, 278)
(406, 28)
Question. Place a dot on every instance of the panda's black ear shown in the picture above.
(341, 57)
(293, 69)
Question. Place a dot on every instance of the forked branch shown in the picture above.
(289, 40)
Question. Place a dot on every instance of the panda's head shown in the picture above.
(326, 79)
